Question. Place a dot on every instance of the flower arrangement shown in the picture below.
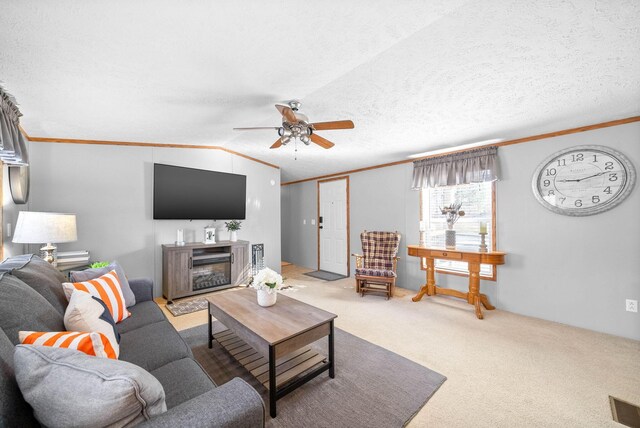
(232, 225)
(452, 213)
(267, 280)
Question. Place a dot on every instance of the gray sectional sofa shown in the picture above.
(31, 298)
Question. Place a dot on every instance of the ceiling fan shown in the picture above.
(296, 125)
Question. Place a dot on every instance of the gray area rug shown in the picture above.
(324, 275)
(373, 387)
(187, 306)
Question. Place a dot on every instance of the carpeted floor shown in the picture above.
(373, 387)
(504, 371)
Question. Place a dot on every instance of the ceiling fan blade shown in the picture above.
(336, 124)
(276, 144)
(287, 113)
(256, 127)
(322, 142)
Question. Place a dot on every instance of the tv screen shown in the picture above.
(196, 194)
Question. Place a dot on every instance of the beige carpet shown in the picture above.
(504, 371)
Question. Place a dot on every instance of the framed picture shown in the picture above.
(209, 235)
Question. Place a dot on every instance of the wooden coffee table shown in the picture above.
(272, 343)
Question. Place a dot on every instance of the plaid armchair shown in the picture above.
(376, 268)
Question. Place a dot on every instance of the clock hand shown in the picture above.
(591, 176)
(583, 178)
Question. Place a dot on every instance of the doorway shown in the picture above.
(333, 225)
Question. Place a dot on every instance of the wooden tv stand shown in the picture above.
(197, 268)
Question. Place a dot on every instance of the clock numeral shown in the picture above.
(546, 183)
(551, 193)
(595, 199)
(613, 176)
(562, 162)
(577, 158)
(551, 172)
(608, 165)
(578, 203)
(562, 199)
(595, 158)
(607, 190)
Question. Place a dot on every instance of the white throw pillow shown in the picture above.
(88, 313)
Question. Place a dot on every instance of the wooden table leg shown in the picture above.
(272, 381)
(473, 298)
(430, 287)
(485, 302)
(476, 303)
(210, 327)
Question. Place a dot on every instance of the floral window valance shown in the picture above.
(471, 166)
(13, 147)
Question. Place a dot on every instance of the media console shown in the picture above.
(197, 268)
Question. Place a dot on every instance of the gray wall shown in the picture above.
(110, 190)
(572, 270)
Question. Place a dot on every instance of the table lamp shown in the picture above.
(49, 228)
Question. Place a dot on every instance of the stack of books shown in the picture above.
(69, 258)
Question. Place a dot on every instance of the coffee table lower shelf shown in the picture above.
(288, 368)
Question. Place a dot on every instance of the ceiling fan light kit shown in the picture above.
(296, 126)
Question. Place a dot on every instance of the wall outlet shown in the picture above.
(632, 305)
(313, 221)
(304, 221)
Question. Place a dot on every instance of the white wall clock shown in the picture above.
(583, 180)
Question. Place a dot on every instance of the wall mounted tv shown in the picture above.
(196, 194)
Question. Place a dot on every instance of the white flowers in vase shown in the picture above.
(267, 280)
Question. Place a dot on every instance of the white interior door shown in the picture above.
(333, 237)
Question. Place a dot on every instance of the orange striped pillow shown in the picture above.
(95, 344)
(106, 288)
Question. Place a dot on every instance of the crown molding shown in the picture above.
(503, 143)
(141, 144)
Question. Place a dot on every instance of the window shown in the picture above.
(478, 203)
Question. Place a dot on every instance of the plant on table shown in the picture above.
(97, 265)
(452, 213)
(233, 225)
(267, 280)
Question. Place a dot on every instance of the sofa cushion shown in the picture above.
(88, 274)
(88, 313)
(107, 288)
(68, 388)
(153, 345)
(90, 343)
(375, 272)
(22, 308)
(143, 313)
(182, 380)
(14, 411)
(39, 275)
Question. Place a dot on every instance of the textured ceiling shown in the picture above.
(413, 75)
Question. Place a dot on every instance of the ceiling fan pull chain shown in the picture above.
(295, 145)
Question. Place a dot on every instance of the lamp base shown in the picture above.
(49, 249)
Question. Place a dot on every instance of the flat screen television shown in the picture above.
(196, 194)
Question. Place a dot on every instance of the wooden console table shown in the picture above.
(473, 258)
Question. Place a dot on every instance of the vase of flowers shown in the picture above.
(233, 227)
(267, 283)
(452, 214)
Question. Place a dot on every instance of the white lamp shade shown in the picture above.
(37, 228)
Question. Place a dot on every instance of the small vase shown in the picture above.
(267, 299)
(234, 236)
(450, 239)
